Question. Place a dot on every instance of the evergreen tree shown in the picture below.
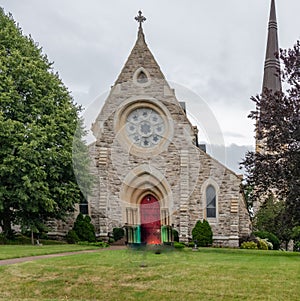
(202, 234)
(38, 119)
(84, 229)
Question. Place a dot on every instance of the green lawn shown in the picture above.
(210, 274)
(15, 251)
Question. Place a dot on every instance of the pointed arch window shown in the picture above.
(142, 77)
(211, 211)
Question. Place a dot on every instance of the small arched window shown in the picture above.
(142, 77)
(211, 202)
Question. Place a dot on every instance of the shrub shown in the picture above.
(249, 245)
(271, 238)
(191, 244)
(72, 237)
(118, 233)
(100, 244)
(297, 246)
(270, 245)
(84, 228)
(178, 245)
(3, 239)
(262, 244)
(202, 234)
(175, 235)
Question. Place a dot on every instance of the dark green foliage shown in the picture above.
(118, 233)
(175, 235)
(191, 244)
(271, 217)
(202, 234)
(38, 119)
(178, 245)
(277, 167)
(271, 238)
(296, 237)
(3, 239)
(84, 228)
(72, 237)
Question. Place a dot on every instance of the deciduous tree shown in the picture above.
(38, 119)
(275, 170)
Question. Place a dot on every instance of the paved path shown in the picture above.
(31, 258)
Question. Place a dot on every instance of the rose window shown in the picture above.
(145, 127)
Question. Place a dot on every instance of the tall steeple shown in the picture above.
(271, 79)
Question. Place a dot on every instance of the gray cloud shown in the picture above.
(214, 48)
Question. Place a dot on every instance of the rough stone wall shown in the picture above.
(185, 168)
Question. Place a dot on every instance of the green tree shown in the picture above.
(202, 234)
(296, 237)
(118, 233)
(84, 229)
(38, 119)
(276, 169)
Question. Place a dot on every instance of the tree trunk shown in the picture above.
(32, 238)
(6, 225)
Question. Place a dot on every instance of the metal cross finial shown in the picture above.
(140, 18)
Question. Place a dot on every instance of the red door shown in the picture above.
(150, 220)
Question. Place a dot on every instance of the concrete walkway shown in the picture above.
(32, 258)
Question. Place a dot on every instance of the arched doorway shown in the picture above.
(150, 220)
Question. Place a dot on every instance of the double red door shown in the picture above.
(150, 220)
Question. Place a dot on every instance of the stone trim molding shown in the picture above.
(141, 181)
(213, 183)
(126, 108)
(136, 74)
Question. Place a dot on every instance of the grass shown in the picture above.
(210, 274)
(16, 251)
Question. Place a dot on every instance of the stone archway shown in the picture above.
(150, 220)
(146, 206)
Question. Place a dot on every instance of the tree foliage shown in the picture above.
(37, 123)
(84, 229)
(272, 238)
(202, 234)
(271, 217)
(118, 233)
(276, 169)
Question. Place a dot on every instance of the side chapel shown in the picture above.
(152, 176)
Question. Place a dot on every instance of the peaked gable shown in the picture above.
(140, 57)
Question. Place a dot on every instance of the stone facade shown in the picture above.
(174, 170)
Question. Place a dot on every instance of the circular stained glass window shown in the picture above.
(145, 127)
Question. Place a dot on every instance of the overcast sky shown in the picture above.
(214, 49)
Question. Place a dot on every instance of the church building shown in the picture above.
(152, 176)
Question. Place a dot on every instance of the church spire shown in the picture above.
(271, 78)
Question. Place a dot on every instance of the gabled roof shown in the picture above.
(140, 56)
